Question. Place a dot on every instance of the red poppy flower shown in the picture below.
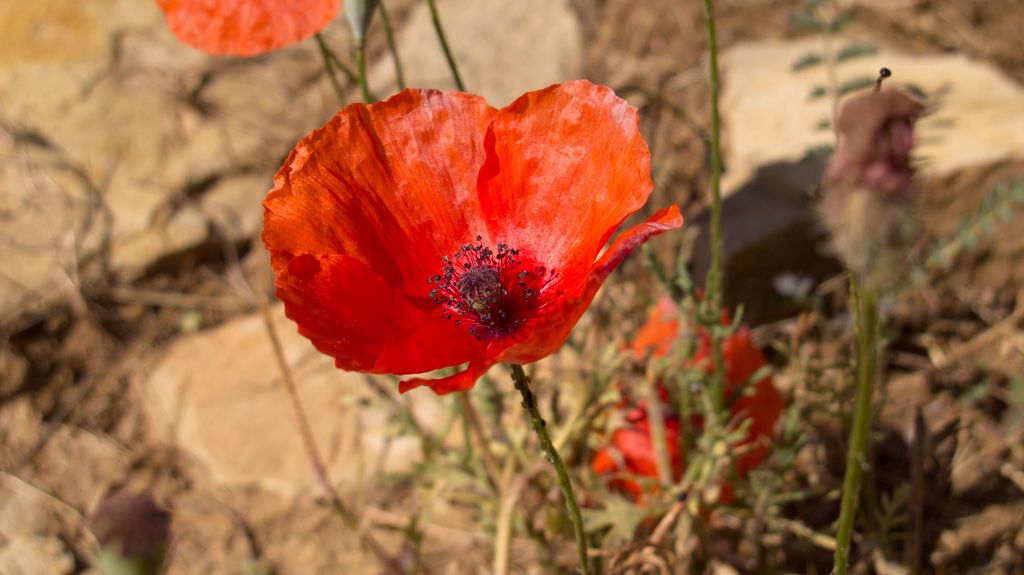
(742, 360)
(246, 27)
(632, 447)
(659, 332)
(431, 230)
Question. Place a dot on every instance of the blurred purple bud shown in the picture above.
(133, 533)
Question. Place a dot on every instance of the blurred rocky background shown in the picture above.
(132, 168)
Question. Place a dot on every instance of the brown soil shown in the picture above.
(71, 426)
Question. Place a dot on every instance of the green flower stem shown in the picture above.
(436, 19)
(385, 20)
(714, 278)
(332, 75)
(522, 383)
(657, 429)
(865, 308)
(364, 87)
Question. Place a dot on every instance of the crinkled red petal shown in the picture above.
(351, 313)
(565, 166)
(393, 184)
(460, 381)
(549, 335)
(246, 27)
(365, 207)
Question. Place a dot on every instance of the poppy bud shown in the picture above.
(359, 14)
(133, 533)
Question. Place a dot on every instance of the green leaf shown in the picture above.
(620, 515)
(806, 61)
(855, 85)
(855, 50)
(817, 92)
(840, 22)
(806, 21)
(818, 152)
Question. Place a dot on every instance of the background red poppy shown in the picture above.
(763, 406)
(246, 27)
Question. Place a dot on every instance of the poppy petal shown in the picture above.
(246, 27)
(657, 335)
(551, 330)
(392, 184)
(460, 381)
(351, 313)
(565, 166)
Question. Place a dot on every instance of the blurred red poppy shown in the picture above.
(246, 27)
(431, 230)
(631, 445)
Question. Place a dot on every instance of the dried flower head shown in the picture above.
(876, 136)
(869, 182)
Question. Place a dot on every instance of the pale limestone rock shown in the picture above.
(106, 135)
(29, 529)
(31, 555)
(502, 48)
(218, 395)
(978, 113)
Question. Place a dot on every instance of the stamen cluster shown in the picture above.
(491, 292)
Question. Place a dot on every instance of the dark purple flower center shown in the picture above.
(490, 292)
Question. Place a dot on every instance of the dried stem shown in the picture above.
(714, 278)
(522, 383)
(329, 66)
(511, 489)
(309, 441)
(476, 426)
(866, 312)
(392, 47)
(436, 19)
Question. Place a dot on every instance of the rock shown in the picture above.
(30, 524)
(120, 144)
(977, 113)
(905, 393)
(772, 123)
(769, 229)
(218, 395)
(502, 48)
(28, 555)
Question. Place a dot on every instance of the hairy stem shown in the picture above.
(522, 383)
(866, 311)
(436, 19)
(714, 278)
